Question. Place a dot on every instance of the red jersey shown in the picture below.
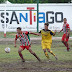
(23, 38)
(65, 28)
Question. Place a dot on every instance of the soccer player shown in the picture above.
(65, 37)
(25, 43)
(47, 40)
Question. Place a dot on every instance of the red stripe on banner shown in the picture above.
(30, 17)
(30, 8)
(34, 18)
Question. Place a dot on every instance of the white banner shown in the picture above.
(19, 15)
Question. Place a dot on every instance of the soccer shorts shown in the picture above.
(64, 38)
(46, 45)
(25, 47)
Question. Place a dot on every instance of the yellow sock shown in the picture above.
(52, 53)
(46, 55)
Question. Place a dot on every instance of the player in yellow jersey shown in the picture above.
(47, 40)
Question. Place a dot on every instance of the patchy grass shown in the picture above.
(12, 35)
(11, 62)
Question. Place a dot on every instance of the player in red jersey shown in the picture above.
(65, 37)
(25, 43)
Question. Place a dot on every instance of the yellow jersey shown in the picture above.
(46, 35)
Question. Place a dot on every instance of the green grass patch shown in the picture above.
(60, 52)
(12, 35)
(11, 62)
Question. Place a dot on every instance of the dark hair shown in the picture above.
(65, 19)
(19, 28)
(46, 24)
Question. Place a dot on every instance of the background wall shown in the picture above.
(20, 15)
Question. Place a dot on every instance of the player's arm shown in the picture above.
(53, 33)
(34, 33)
(60, 31)
(68, 33)
(15, 41)
(68, 30)
(30, 33)
(39, 34)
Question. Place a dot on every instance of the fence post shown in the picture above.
(37, 15)
(5, 23)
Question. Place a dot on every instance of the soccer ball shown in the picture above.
(7, 50)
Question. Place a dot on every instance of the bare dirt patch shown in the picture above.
(51, 66)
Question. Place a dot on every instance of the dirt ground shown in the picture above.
(52, 66)
(32, 66)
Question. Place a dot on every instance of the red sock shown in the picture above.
(21, 56)
(67, 49)
(65, 44)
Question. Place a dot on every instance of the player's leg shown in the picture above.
(63, 39)
(20, 54)
(33, 53)
(64, 43)
(67, 46)
(52, 53)
(44, 49)
(67, 38)
(48, 49)
(46, 54)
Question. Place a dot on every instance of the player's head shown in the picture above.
(46, 26)
(19, 30)
(65, 20)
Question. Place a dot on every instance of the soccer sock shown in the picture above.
(46, 55)
(21, 56)
(37, 57)
(52, 53)
(65, 44)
